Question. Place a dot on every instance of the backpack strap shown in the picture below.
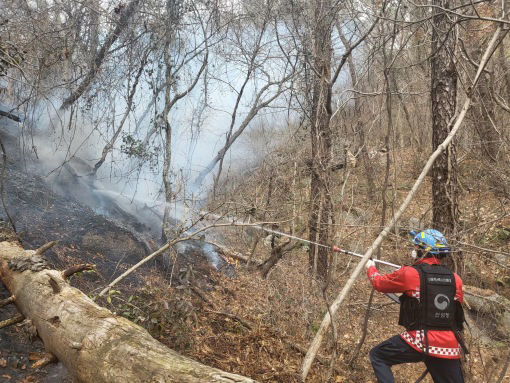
(423, 306)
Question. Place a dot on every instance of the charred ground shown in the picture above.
(254, 326)
(43, 213)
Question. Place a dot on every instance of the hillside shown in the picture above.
(285, 309)
(217, 169)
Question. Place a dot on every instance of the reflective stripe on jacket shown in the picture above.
(406, 280)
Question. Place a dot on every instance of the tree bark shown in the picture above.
(443, 94)
(484, 121)
(95, 345)
(320, 132)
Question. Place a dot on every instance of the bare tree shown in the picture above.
(322, 79)
(126, 13)
(444, 100)
(110, 144)
(174, 15)
(484, 111)
(360, 126)
(262, 70)
(320, 136)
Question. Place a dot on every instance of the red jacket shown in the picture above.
(442, 343)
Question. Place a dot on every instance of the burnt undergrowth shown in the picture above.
(44, 212)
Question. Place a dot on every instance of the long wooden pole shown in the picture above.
(314, 346)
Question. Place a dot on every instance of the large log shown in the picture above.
(95, 345)
(490, 304)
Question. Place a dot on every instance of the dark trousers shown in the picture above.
(396, 351)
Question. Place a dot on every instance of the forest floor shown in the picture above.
(285, 310)
(260, 327)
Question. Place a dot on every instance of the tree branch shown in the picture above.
(101, 55)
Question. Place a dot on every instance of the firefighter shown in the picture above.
(430, 311)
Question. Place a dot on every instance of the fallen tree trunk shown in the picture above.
(492, 305)
(95, 345)
(276, 254)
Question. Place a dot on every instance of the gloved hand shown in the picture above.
(369, 264)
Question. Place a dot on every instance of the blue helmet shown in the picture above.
(431, 241)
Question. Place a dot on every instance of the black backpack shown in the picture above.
(437, 308)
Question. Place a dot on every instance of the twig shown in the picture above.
(9, 322)
(77, 268)
(197, 291)
(5, 302)
(314, 347)
(322, 360)
(168, 246)
(54, 285)
(45, 360)
(45, 247)
(505, 368)
(244, 322)
(485, 249)
(10, 116)
(230, 252)
(364, 330)
(249, 325)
